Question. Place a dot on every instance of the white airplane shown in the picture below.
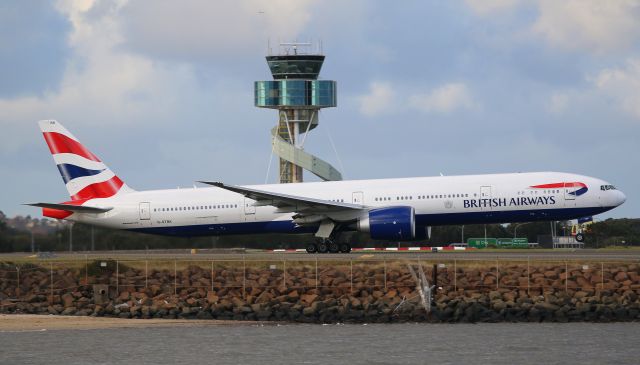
(387, 209)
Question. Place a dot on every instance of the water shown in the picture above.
(504, 343)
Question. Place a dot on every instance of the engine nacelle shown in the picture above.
(390, 223)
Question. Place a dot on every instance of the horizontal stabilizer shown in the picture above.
(71, 208)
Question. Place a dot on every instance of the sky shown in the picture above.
(162, 91)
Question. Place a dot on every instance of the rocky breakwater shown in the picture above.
(328, 293)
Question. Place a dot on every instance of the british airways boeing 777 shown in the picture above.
(387, 209)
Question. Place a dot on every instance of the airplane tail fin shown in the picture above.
(84, 174)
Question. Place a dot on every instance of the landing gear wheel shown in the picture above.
(580, 237)
(322, 247)
(345, 248)
(311, 248)
(334, 247)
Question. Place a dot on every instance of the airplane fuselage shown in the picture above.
(440, 200)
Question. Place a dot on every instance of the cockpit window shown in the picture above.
(607, 187)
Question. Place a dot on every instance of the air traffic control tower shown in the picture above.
(298, 96)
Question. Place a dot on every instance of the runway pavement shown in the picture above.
(259, 255)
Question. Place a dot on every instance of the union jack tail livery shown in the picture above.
(84, 174)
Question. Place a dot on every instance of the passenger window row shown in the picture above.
(424, 197)
(197, 207)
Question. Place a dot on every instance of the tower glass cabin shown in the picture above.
(298, 95)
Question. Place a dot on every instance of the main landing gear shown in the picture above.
(328, 245)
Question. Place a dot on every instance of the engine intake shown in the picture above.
(390, 223)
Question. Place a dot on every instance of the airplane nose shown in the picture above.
(621, 198)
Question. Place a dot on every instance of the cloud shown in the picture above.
(592, 25)
(595, 26)
(558, 102)
(382, 98)
(97, 74)
(205, 30)
(444, 99)
(621, 86)
(379, 99)
(101, 84)
(488, 7)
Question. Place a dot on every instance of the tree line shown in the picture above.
(81, 237)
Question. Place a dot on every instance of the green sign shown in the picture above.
(521, 242)
(513, 242)
(481, 242)
(498, 242)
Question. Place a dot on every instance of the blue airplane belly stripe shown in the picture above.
(422, 220)
(70, 172)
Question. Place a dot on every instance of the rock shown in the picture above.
(212, 298)
(238, 302)
(67, 300)
(204, 315)
(509, 296)
(489, 280)
(308, 311)
(547, 306)
(256, 307)
(621, 276)
(69, 311)
(355, 303)
(308, 298)
(263, 315)
(498, 305)
(391, 294)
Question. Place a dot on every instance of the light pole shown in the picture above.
(485, 236)
(462, 235)
(70, 237)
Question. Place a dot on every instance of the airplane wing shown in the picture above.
(298, 203)
(71, 208)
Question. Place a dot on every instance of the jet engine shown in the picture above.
(389, 223)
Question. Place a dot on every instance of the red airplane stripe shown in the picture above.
(549, 186)
(59, 143)
(560, 185)
(103, 189)
(56, 213)
(59, 213)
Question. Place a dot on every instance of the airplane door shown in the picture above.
(357, 198)
(485, 193)
(569, 199)
(249, 209)
(145, 211)
(568, 189)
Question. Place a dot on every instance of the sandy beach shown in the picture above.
(33, 322)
